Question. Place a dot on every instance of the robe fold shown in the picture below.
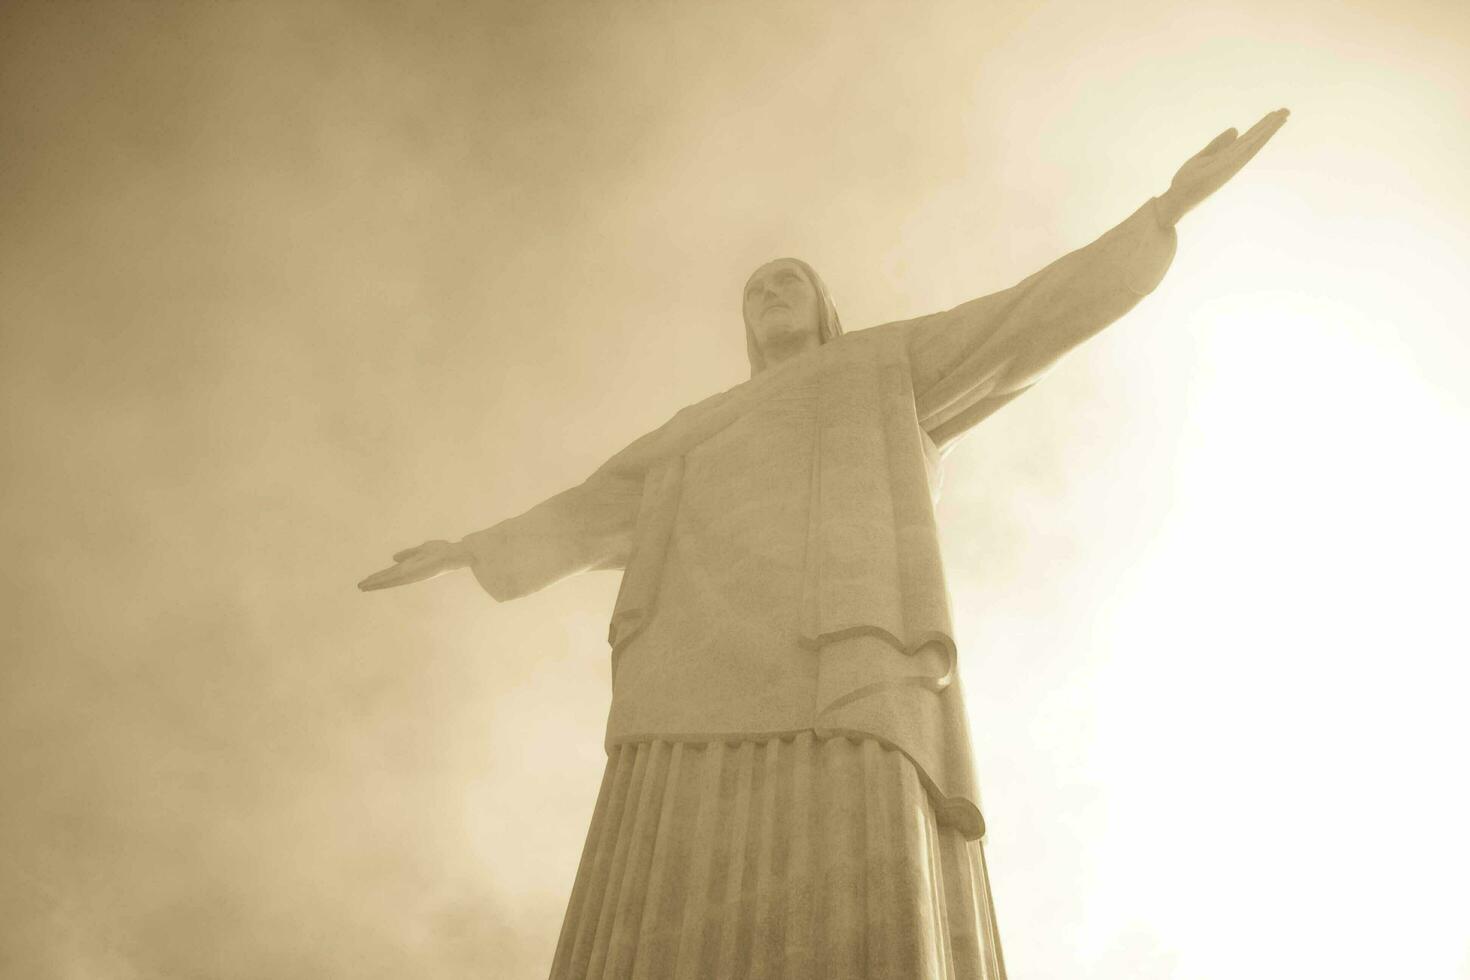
(782, 568)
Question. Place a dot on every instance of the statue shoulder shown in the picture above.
(886, 342)
(892, 333)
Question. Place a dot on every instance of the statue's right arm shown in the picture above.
(589, 526)
(592, 525)
(585, 528)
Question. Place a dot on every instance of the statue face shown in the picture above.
(781, 306)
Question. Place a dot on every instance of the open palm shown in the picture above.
(428, 560)
(1209, 169)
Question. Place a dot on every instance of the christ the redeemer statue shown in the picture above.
(789, 788)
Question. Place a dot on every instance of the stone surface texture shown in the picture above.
(790, 788)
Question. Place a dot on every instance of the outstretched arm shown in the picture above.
(589, 526)
(970, 360)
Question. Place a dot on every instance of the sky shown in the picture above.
(285, 288)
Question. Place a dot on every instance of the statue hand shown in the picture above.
(416, 564)
(1209, 169)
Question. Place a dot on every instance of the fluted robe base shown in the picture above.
(792, 857)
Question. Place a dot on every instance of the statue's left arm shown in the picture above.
(969, 361)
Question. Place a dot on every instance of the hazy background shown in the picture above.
(285, 287)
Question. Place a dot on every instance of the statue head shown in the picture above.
(787, 310)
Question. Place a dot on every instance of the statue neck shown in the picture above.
(779, 353)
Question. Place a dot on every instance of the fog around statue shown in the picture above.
(1199, 177)
(789, 768)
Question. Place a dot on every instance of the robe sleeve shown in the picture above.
(969, 361)
(594, 525)
(587, 527)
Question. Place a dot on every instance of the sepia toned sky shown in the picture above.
(286, 287)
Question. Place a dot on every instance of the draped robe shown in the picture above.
(782, 570)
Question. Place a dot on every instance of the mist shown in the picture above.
(285, 288)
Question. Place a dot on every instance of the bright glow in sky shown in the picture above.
(285, 288)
